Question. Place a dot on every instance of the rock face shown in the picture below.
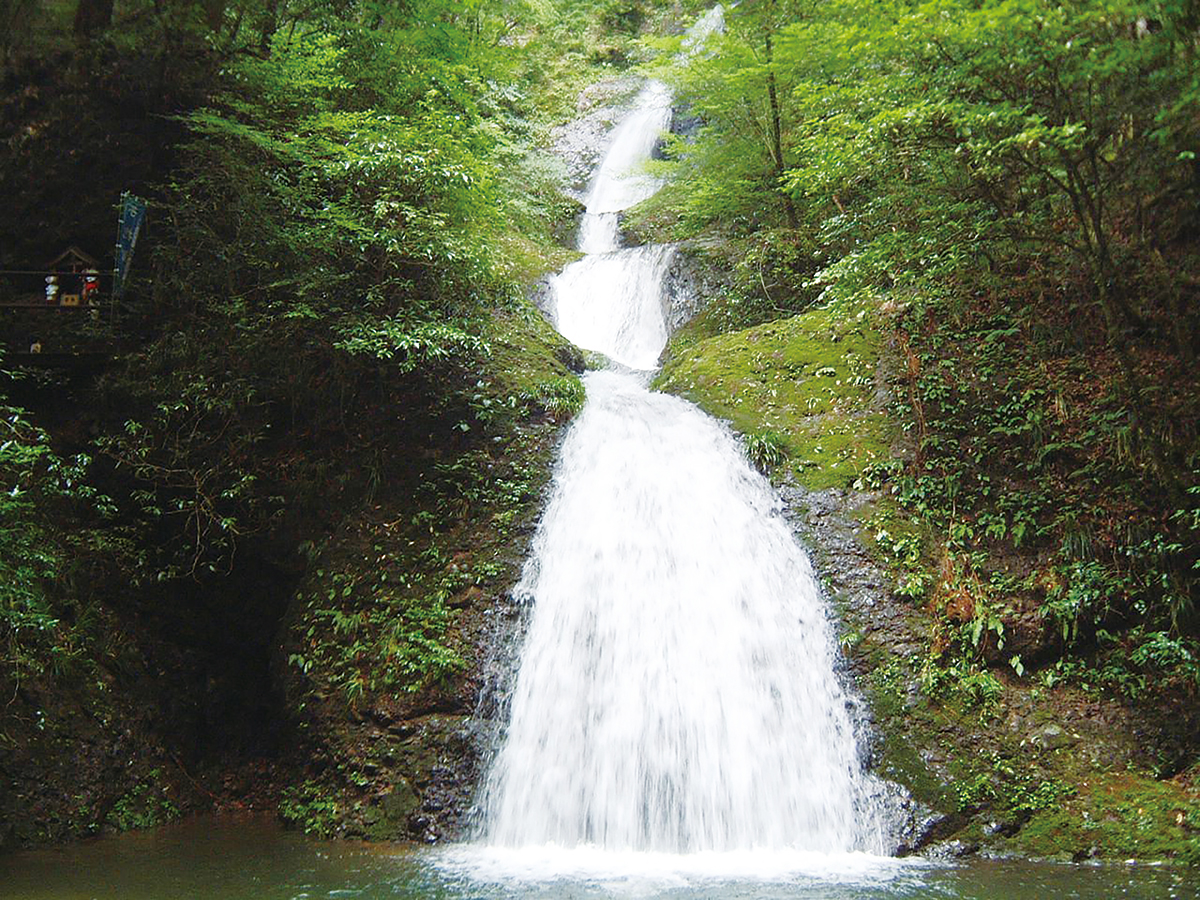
(581, 142)
(825, 521)
(858, 588)
(695, 275)
(81, 762)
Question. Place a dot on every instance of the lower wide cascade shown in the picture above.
(676, 691)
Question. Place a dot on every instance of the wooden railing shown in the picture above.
(27, 289)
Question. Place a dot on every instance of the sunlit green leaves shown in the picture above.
(410, 344)
(33, 559)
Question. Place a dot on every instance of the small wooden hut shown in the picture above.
(73, 263)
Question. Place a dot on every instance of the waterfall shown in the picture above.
(676, 689)
(613, 302)
(619, 183)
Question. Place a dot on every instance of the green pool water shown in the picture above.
(253, 859)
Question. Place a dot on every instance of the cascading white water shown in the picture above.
(611, 300)
(619, 183)
(676, 690)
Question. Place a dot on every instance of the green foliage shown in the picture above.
(974, 687)
(1001, 782)
(28, 560)
(331, 248)
(146, 805)
(905, 555)
(1120, 814)
(191, 483)
(1080, 598)
(372, 632)
(559, 397)
(320, 203)
(765, 449)
(1138, 662)
(311, 807)
(41, 623)
(419, 345)
(623, 15)
(1007, 181)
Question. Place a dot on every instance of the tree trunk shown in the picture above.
(214, 14)
(776, 121)
(269, 24)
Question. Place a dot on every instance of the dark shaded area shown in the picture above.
(219, 702)
(77, 128)
(176, 690)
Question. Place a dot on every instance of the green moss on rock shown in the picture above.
(1117, 815)
(810, 380)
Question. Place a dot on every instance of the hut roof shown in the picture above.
(73, 258)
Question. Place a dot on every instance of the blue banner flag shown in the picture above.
(129, 224)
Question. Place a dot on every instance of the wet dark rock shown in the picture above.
(694, 275)
(468, 597)
(418, 826)
(955, 849)
(564, 227)
(1028, 635)
(861, 602)
(916, 824)
(685, 123)
(824, 520)
(572, 358)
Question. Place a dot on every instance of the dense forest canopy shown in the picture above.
(338, 203)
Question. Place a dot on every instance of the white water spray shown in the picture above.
(676, 691)
(612, 300)
(619, 183)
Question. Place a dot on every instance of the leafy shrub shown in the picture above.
(560, 397)
(766, 449)
(623, 15)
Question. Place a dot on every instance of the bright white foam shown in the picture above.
(640, 873)
(613, 303)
